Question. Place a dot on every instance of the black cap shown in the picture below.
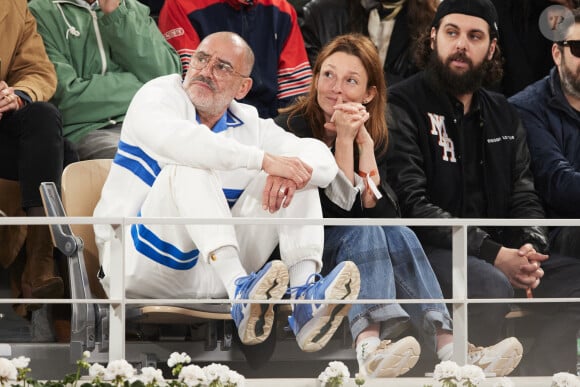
(479, 8)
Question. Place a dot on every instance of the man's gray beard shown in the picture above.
(570, 82)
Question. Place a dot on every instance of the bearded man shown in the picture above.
(550, 112)
(459, 150)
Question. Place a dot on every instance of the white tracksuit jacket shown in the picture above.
(169, 165)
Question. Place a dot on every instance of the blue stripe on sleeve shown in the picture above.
(136, 168)
(140, 154)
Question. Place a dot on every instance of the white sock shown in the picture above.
(227, 265)
(445, 352)
(364, 347)
(300, 272)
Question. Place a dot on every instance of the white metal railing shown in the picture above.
(459, 301)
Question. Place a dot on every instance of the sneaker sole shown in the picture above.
(403, 356)
(257, 327)
(316, 333)
(508, 360)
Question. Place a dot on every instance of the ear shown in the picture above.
(245, 87)
(433, 36)
(556, 54)
(370, 94)
(492, 47)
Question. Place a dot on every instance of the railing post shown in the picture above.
(117, 310)
(459, 273)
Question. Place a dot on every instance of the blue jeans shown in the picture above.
(486, 321)
(392, 265)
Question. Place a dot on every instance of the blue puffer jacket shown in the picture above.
(553, 128)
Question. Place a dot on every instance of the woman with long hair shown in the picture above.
(345, 108)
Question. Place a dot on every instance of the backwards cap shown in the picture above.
(479, 8)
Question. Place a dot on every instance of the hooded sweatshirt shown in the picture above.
(101, 60)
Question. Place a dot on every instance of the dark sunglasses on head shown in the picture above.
(574, 46)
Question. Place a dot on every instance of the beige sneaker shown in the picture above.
(500, 359)
(391, 359)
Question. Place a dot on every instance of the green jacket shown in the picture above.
(100, 60)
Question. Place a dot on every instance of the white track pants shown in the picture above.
(193, 193)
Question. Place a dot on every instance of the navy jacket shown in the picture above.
(553, 128)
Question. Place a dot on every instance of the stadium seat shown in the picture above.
(81, 187)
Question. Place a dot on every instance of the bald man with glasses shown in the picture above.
(189, 150)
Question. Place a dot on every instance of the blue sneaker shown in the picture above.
(314, 324)
(254, 321)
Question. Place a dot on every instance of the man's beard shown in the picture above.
(570, 80)
(453, 82)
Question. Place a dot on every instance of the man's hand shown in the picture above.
(288, 167)
(8, 100)
(108, 6)
(278, 192)
(521, 271)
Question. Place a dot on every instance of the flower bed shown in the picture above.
(120, 373)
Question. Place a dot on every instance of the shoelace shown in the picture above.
(473, 353)
(299, 290)
(382, 345)
(244, 283)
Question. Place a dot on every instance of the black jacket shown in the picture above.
(324, 20)
(387, 206)
(425, 166)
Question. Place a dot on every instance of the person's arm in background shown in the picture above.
(294, 72)
(178, 31)
(136, 43)
(27, 68)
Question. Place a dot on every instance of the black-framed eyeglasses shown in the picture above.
(574, 46)
(220, 68)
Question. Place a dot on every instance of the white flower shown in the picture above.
(503, 382)
(565, 379)
(7, 370)
(119, 369)
(96, 370)
(151, 375)
(336, 373)
(178, 358)
(192, 376)
(216, 372)
(21, 362)
(86, 354)
(473, 373)
(235, 379)
(447, 370)
(340, 368)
